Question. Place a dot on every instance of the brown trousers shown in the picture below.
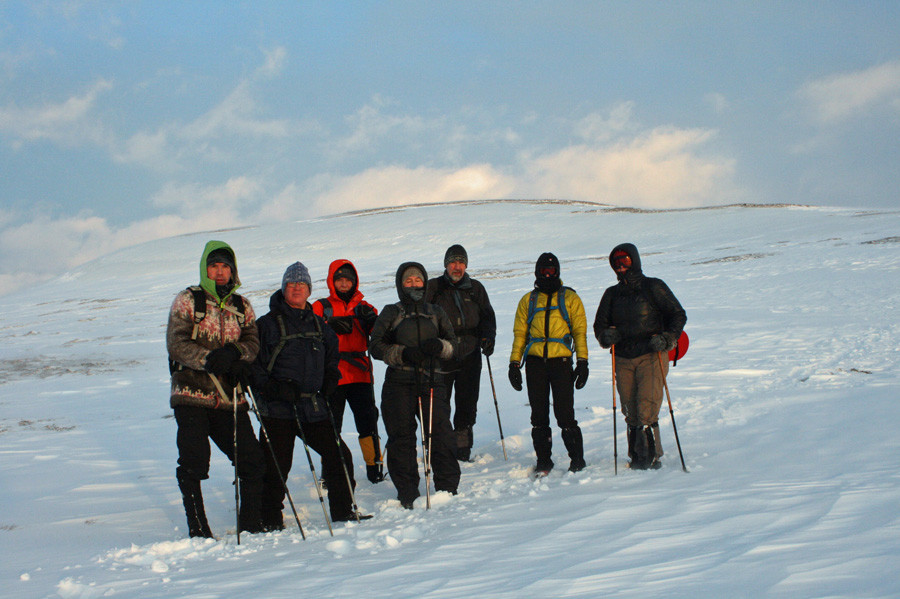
(640, 385)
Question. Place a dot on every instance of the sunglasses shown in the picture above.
(548, 271)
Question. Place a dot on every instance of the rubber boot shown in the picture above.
(371, 451)
(542, 438)
(575, 445)
(464, 442)
(193, 508)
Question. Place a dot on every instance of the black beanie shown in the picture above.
(220, 255)
(345, 272)
(456, 253)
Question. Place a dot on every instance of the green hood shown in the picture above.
(208, 284)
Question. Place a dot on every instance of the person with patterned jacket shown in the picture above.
(467, 304)
(550, 326)
(415, 339)
(211, 339)
(639, 318)
(351, 317)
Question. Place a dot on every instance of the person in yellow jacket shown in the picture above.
(550, 328)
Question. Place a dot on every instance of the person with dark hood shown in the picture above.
(639, 318)
(415, 339)
(352, 319)
(294, 373)
(550, 327)
(211, 338)
(467, 305)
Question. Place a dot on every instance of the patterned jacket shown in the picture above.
(223, 324)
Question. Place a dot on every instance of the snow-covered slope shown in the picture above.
(787, 407)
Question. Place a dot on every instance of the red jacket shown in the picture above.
(355, 365)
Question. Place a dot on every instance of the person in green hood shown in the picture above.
(212, 339)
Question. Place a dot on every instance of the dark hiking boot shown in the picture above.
(272, 522)
(464, 442)
(541, 437)
(192, 499)
(644, 449)
(575, 446)
(350, 517)
(375, 473)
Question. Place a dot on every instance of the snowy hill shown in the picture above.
(787, 407)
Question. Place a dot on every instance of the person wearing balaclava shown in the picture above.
(415, 339)
(550, 329)
(352, 318)
(212, 338)
(466, 302)
(639, 318)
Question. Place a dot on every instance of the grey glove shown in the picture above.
(659, 343)
(609, 337)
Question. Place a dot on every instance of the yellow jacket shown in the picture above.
(558, 328)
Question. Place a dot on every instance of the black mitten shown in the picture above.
(342, 325)
(487, 346)
(219, 360)
(659, 343)
(414, 355)
(432, 347)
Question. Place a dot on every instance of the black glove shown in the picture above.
(432, 347)
(277, 390)
(240, 372)
(515, 376)
(218, 361)
(609, 337)
(659, 343)
(342, 325)
(329, 386)
(414, 355)
(365, 313)
(581, 373)
(487, 346)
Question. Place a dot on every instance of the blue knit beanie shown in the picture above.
(296, 273)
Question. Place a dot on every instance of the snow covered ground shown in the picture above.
(787, 406)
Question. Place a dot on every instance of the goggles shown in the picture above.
(548, 271)
(621, 260)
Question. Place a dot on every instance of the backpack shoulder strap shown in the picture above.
(284, 338)
(327, 308)
(199, 308)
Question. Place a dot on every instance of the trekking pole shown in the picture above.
(237, 480)
(612, 351)
(496, 407)
(312, 469)
(425, 458)
(265, 433)
(671, 411)
(340, 446)
(430, 420)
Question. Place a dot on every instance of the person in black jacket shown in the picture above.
(295, 372)
(415, 339)
(467, 305)
(639, 318)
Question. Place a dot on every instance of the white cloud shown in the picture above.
(847, 95)
(233, 198)
(657, 169)
(70, 122)
(397, 186)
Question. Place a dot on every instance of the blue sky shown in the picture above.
(122, 122)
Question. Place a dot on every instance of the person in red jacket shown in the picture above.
(352, 318)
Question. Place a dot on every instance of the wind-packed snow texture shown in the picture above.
(787, 406)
